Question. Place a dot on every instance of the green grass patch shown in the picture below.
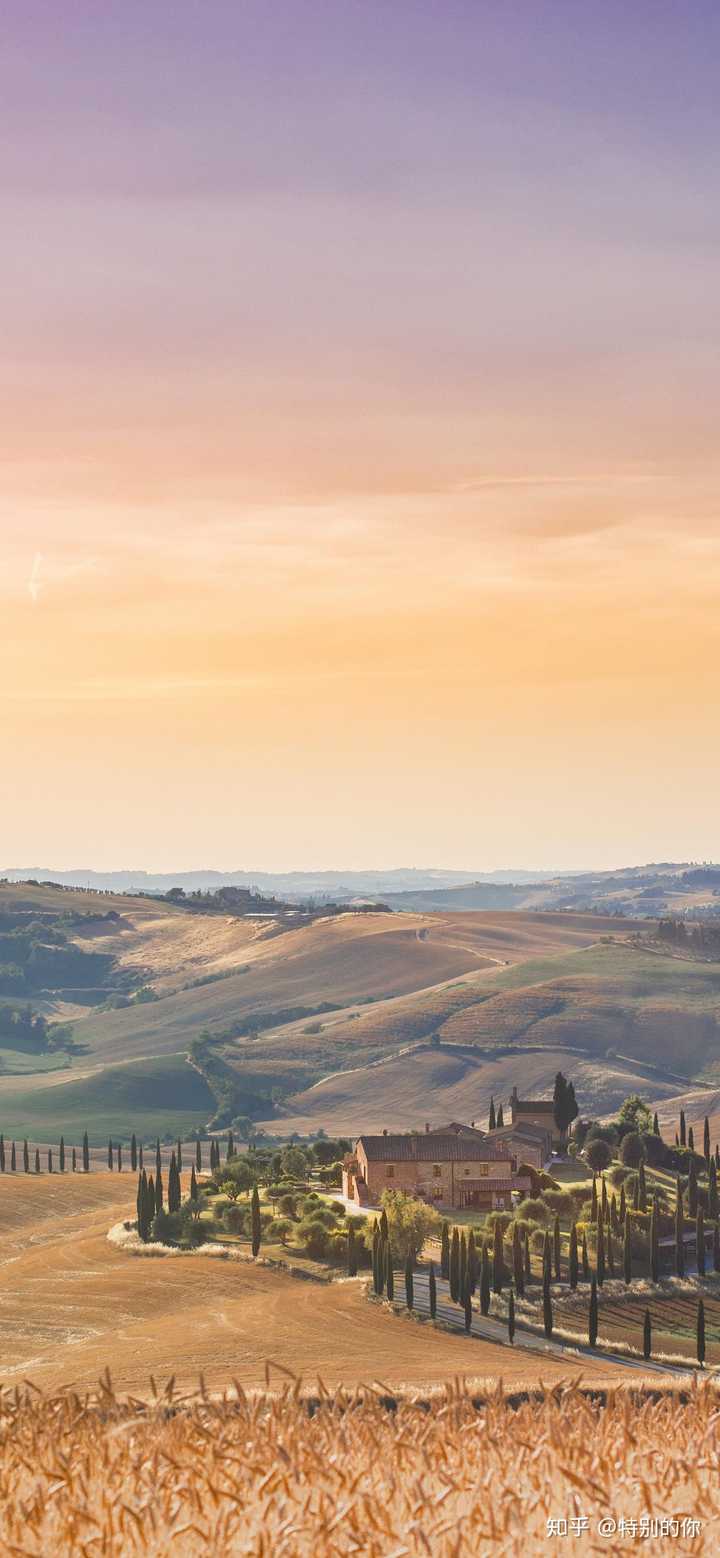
(150, 1097)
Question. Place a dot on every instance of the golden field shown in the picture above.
(452, 1475)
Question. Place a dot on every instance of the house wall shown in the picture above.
(421, 1178)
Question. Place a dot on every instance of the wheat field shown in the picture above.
(278, 1477)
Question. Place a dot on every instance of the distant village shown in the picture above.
(457, 1166)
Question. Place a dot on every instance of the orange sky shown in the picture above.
(359, 502)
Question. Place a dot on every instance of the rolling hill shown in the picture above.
(288, 1021)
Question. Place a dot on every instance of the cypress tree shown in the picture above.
(432, 1292)
(140, 1157)
(178, 1156)
(13, 1159)
(230, 1146)
(467, 1305)
(198, 1155)
(491, 1115)
(700, 1349)
(37, 1160)
(511, 1317)
(158, 1192)
(647, 1336)
(142, 1206)
(133, 1152)
(623, 1205)
(600, 1254)
(716, 1247)
(527, 1273)
(717, 1156)
(593, 1315)
(409, 1284)
(677, 1139)
(119, 1157)
(517, 1262)
(642, 1187)
(173, 1201)
(455, 1266)
(62, 1154)
(692, 1190)
(585, 1261)
(500, 1118)
(484, 1281)
(627, 1252)
(614, 1214)
(50, 1160)
(498, 1257)
(654, 1245)
(706, 1143)
(389, 1273)
(86, 1154)
(110, 1154)
(610, 1253)
(445, 1251)
(256, 1227)
(556, 1247)
(472, 1261)
(546, 1256)
(74, 1161)
(700, 1242)
(547, 1306)
(26, 1157)
(158, 1159)
(352, 1257)
(712, 1196)
(2, 1154)
(384, 1227)
(691, 1139)
(573, 1257)
(656, 1124)
(150, 1203)
(462, 1274)
(604, 1199)
(194, 1188)
(377, 1283)
(636, 1192)
(594, 1201)
(683, 1136)
(679, 1243)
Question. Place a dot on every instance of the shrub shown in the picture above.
(560, 1201)
(534, 1210)
(235, 1218)
(287, 1204)
(632, 1149)
(314, 1236)
(280, 1228)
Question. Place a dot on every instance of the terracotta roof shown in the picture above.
(538, 1105)
(523, 1128)
(453, 1128)
(429, 1148)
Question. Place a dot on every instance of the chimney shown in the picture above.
(427, 1127)
(384, 1130)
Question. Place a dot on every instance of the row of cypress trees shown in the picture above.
(9, 1155)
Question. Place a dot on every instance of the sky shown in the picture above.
(359, 457)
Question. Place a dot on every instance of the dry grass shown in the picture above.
(450, 1475)
(70, 1300)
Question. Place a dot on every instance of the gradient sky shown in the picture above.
(359, 456)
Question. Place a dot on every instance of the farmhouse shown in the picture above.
(538, 1112)
(456, 1167)
(531, 1144)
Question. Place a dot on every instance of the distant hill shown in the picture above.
(288, 884)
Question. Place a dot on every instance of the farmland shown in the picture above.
(72, 1303)
(448, 1473)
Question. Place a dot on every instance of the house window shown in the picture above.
(390, 1171)
(437, 1171)
(484, 1170)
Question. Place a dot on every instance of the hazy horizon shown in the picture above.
(360, 481)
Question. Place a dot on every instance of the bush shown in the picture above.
(534, 1210)
(177, 1228)
(560, 1201)
(632, 1149)
(287, 1204)
(314, 1236)
(236, 1218)
(280, 1229)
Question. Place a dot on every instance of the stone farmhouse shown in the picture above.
(454, 1167)
(457, 1165)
